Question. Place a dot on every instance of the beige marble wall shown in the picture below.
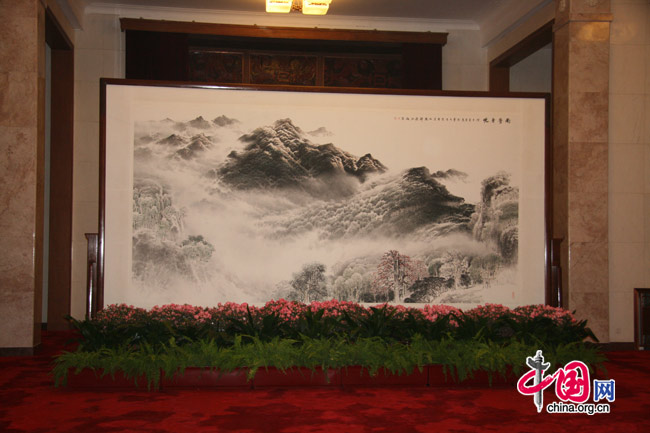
(22, 39)
(629, 161)
(581, 102)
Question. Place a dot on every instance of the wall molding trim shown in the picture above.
(20, 351)
(281, 20)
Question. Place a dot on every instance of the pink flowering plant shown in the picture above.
(123, 325)
(531, 324)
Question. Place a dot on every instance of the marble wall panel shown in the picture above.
(22, 126)
(588, 116)
(18, 8)
(594, 307)
(589, 57)
(17, 176)
(589, 262)
(16, 289)
(586, 50)
(16, 306)
(18, 40)
(589, 6)
(588, 217)
(19, 100)
(588, 167)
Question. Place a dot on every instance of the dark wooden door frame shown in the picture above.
(500, 66)
(61, 166)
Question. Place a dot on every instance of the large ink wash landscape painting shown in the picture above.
(248, 196)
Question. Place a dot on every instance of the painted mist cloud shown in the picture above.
(228, 212)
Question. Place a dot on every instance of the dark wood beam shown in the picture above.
(283, 32)
(61, 168)
(524, 48)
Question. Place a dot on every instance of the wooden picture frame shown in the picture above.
(641, 318)
(370, 144)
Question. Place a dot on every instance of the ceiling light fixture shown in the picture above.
(279, 6)
(308, 7)
(315, 7)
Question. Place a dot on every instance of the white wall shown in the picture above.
(534, 73)
(99, 52)
(464, 62)
(629, 161)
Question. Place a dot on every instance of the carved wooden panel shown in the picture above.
(215, 66)
(280, 69)
(230, 54)
(363, 72)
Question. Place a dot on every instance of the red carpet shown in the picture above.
(30, 403)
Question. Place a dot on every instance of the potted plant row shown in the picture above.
(331, 343)
(313, 362)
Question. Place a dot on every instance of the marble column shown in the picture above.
(22, 100)
(580, 151)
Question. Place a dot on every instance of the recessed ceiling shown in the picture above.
(460, 10)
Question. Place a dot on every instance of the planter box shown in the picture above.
(479, 379)
(296, 377)
(91, 379)
(352, 376)
(199, 377)
(359, 376)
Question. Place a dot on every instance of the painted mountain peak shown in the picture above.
(224, 120)
(200, 123)
(282, 156)
(411, 204)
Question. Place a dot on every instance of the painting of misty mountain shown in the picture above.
(406, 204)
